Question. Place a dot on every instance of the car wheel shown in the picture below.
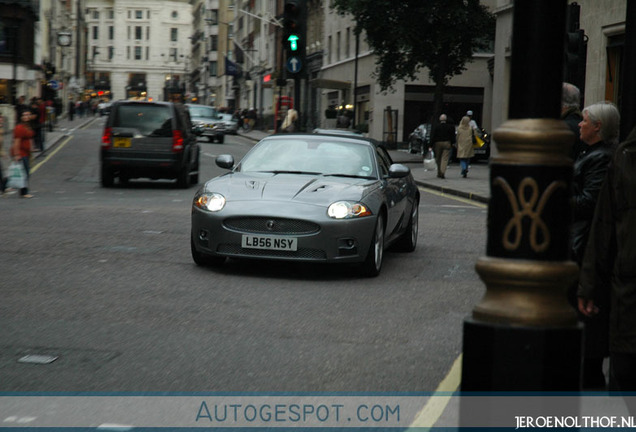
(408, 240)
(107, 177)
(373, 263)
(204, 260)
(183, 179)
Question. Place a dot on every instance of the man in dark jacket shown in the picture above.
(609, 265)
(442, 137)
(571, 115)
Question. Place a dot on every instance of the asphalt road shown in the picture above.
(103, 280)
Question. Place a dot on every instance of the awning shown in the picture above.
(330, 84)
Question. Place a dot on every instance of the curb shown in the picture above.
(450, 191)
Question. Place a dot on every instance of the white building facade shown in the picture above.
(138, 48)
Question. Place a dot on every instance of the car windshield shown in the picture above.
(313, 156)
(149, 120)
(203, 111)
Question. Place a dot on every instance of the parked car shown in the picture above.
(209, 120)
(231, 125)
(103, 108)
(318, 198)
(149, 139)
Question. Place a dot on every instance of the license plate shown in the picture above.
(269, 242)
(121, 142)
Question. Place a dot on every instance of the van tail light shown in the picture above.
(107, 138)
(177, 141)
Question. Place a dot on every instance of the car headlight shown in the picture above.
(347, 210)
(210, 201)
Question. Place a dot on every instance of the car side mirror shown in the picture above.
(225, 161)
(399, 171)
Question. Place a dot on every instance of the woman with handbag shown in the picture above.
(465, 149)
(22, 145)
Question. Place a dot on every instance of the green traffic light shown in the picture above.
(293, 42)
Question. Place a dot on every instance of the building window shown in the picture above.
(128, 32)
(111, 52)
(348, 43)
(138, 32)
(175, 14)
(139, 14)
(329, 44)
(213, 69)
(111, 14)
(338, 46)
(147, 33)
(147, 53)
(95, 32)
(137, 53)
(214, 42)
(111, 32)
(173, 34)
(96, 14)
(172, 54)
(128, 53)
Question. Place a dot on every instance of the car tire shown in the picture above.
(204, 260)
(373, 263)
(183, 178)
(408, 241)
(108, 179)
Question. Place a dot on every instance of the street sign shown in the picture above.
(294, 65)
(54, 85)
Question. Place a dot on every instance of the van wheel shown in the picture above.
(107, 177)
(183, 179)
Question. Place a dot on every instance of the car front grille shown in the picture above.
(263, 225)
(300, 254)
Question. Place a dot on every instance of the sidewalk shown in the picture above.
(62, 129)
(475, 187)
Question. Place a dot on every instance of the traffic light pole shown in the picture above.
(523, 335)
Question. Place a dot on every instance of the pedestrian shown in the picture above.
(35, 124)
(609, 263)
(19, 107)
(4, 160)
(443, 138)
(71, 109)
(465, 149)
(472, 122)
(599, 131)
(23, 135)
(571, 115)
(289, 124)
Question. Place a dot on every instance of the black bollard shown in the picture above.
(524, 336)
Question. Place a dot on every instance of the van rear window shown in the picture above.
(149, 120)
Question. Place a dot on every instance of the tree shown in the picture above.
(407, 35)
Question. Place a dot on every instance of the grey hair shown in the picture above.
(608, 116)
(442, 118)
(570, 96)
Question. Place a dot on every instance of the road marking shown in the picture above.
(57, 149)
(434, 408)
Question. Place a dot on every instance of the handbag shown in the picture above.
(429, 161)
(17, 176)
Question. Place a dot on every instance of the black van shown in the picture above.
(151, 140)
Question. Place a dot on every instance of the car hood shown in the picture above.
(302, 188)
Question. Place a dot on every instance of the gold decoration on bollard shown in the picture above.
(523, 207)
(528, 288)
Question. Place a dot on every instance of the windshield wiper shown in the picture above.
(293, 172)
(350, 176)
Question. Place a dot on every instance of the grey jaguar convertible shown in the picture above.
(307, 197)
